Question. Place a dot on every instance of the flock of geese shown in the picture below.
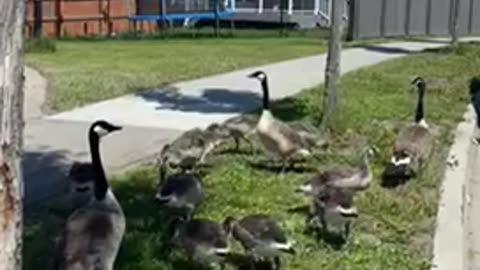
(94, 231)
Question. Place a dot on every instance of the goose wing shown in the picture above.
(310, 135)
(292, 136)
(81, 244)
(264, 228)
(335, 177)
(336, 196)
(414, 139)
(204, 231)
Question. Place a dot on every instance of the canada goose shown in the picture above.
(238, 128)
(203, 241)
(191, 148)
(348, 178)
(181, 191)
(475, 99)
(332, 206)
(412, 145)
(93, 234)
(275, 135)
(261, 236)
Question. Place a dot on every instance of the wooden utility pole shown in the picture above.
(12, 14)
(332, 71)
(454, 22)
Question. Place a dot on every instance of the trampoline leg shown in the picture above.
(232, 26)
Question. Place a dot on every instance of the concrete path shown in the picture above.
(154, 117)
(472, 208)
(450, 236)
(52, 145)
(201, 102)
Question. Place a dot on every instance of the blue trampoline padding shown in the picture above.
(180, 16)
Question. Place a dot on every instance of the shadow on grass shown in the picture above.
(243, 262)
(146, 245)
(334, 240)
(44, 174)
(269, 166)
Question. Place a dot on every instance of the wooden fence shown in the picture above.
(82, 17)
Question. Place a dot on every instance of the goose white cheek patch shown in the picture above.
(347, 211)
(222, 250)
(100, 131)
(402, 161)
(306, 188)
(282, 246)
(423, 123)
(261, 76)
(304, 152)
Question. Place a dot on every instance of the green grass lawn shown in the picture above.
(395, 227)
(81, 72)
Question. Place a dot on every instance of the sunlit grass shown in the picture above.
(395, 227)
(81, 72)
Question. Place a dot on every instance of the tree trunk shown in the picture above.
(454, 23)
(11, 133)
(332, 71)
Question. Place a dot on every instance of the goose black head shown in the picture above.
(100, 128)
(260, 75)
(419, 82)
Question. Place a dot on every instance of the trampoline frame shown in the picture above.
(184, 16)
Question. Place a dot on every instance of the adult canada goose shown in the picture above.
(93, 233)
(275, 135)
(333, 206)
(475, 99)
(261, 236)
(180, 191)
(238, 128)
(347, 178)
(203, 241)
(413, 144)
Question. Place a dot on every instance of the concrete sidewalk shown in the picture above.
(201, 102)
(154, 117)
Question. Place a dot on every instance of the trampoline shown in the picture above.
(181, 10)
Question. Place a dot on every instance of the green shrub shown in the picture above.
(40, 45)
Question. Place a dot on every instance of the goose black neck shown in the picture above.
(419, 111)
(266, 95)
(101, 185)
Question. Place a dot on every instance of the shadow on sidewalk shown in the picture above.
(209, 101)
(44, 175)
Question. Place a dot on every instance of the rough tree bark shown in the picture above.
(454, 22)
(332, 70)
(11, 132)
